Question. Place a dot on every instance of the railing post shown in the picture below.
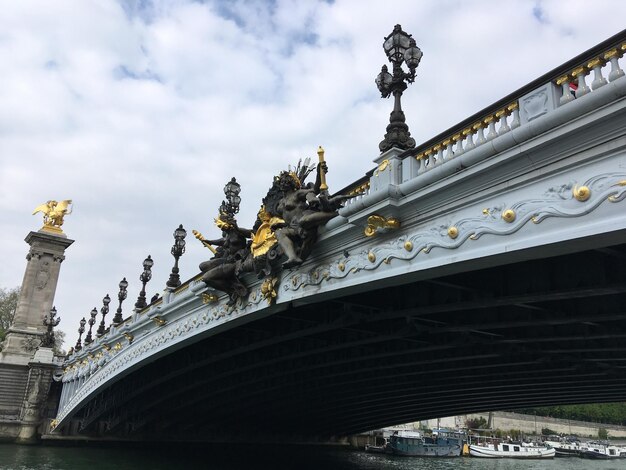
(616, 71)
(598, 80)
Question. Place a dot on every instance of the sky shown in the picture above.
(141, 111)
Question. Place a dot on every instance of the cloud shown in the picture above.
(141, 111)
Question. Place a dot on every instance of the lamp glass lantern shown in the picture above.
(384, 79)
(396, 44)
(147, 264)
(179, 235)
(413, 55)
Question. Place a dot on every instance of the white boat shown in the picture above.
(498, 450)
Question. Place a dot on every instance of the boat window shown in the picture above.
(505, 448)
(516, 449)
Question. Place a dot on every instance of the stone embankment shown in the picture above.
(530, 424)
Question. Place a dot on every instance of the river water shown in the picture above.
(168, 457)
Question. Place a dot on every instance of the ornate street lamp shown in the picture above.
(144, 277)
(177, 251)
(104, 310)
(92, 322)
(50, 321)
(232, 190)
(81, 330)
(121, 296)
(400, 48)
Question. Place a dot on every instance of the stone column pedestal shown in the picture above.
(47, 251)
(41, 369)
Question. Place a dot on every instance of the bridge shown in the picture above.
(483, 269)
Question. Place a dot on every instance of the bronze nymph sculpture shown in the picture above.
(282, 237)
(222, 271)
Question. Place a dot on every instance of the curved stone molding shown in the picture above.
(558, 201)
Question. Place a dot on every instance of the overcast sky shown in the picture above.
(140, 111)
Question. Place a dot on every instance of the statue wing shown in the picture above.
(42, 208)
(63, 205)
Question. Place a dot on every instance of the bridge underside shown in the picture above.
(541, 331)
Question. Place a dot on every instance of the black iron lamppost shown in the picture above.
(144, 277)
(121, 296)
(104, 310)
(177, 251)
(92, 322)
(50, 321)
(81, 330)
(400, 48)
(232, 190)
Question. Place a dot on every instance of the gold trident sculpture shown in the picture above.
(200, 237)
(320, 154)
(53, 213)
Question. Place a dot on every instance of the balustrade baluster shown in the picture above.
(469, 139)
(449, 152)
(480, 133)
(514, 108)
(421, 164)
(504, 125)
(616, 71)
(439, 149)
(492, 127)
(431, 159)
(459, 144)
(567, 95)
(579, 75)
(598, 80)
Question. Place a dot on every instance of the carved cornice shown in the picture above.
(568, 200)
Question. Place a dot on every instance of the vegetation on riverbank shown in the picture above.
(608, 413)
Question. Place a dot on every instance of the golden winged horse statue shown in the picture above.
(53, 213)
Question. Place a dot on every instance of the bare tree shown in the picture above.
(8, 306)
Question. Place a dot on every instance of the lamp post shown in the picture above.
(232, 190)
(104, 310)
(81, 330)
(400, 48)
(50, 321)
(92, 322)
(121, 296)
(177, 251)
(144, 277)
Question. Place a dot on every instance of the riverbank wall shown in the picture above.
(528, 424)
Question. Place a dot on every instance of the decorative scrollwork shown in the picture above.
(268, 290)
(379, 224)
(559, 201)
(581, 193)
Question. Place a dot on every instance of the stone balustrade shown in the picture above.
(570, 85)
(485, 129)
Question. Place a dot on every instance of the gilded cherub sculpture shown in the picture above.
(53, 213)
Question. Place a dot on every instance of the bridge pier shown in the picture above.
(26, 368)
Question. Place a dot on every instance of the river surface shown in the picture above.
(168, 457)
